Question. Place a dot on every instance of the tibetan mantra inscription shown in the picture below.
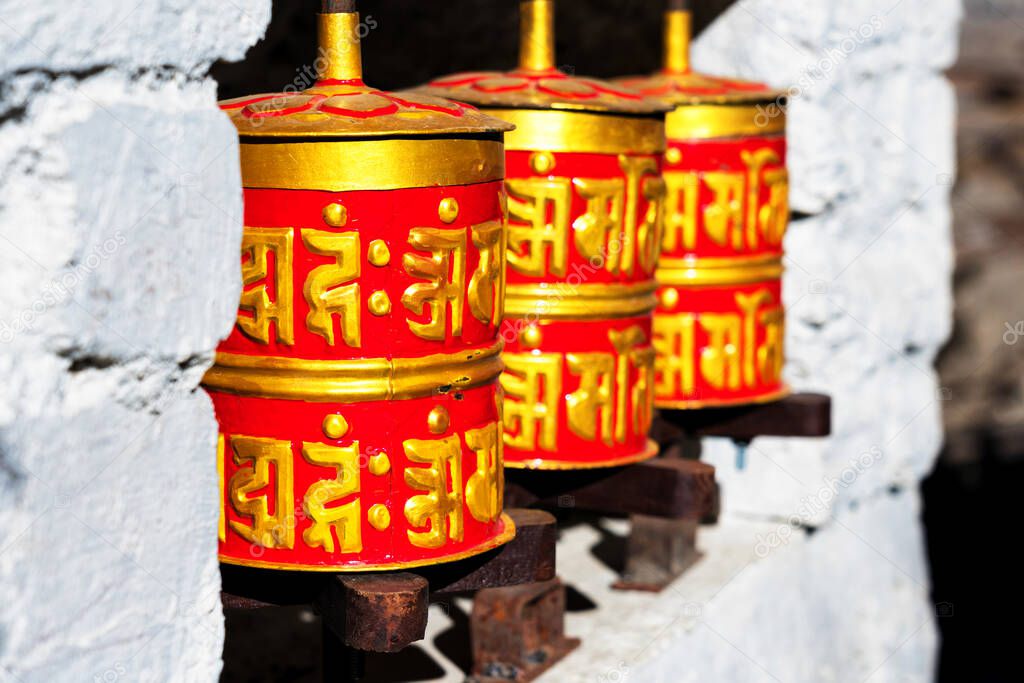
(342, 344)
(584, 234)
(719, 326)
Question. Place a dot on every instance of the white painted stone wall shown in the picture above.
(817, 570)
(120, 219)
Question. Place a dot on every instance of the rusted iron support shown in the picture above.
(518, 632)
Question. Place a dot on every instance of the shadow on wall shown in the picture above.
(410, 42)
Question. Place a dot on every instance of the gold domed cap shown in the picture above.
(355, 110)
(340, 105)
(537, 83)
(678, 84)
(695, 88)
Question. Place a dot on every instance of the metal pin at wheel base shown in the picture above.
(585, 206)
(720, 324)
(358, 396)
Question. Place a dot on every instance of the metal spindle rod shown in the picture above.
(339, 41)
(678, 28)
(339, 7)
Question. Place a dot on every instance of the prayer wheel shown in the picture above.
(358, 395)
(720, 323)
(585, 214)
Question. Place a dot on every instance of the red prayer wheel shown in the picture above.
(720, 324)
(585, 216)
(358, 395)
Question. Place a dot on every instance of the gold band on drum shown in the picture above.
(693, 404)
(715, 121)
(507, 534)
(353, 381)
(538, 130)
(343, 166)
(562, 301)
(543, 463)
(714, 272)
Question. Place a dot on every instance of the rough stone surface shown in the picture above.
(183, 35)
(829, 607)
(120, 219)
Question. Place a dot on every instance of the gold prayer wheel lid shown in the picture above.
(678, 84)
(537, 83)
(340, 105)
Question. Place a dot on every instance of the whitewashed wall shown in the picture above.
(120, 219)
(817, 571)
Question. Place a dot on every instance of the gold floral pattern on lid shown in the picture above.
(548, 90)
(537, 83)
(696, 88)
(349, 110)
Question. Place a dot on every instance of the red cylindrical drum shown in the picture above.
(719, 325)
(358, 395)
(585, 200)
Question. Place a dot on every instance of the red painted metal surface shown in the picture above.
(579, 360)
(719, 325)
(398, 481)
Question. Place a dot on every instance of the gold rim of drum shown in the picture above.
(353, 381)
(539, 130)
(717, 121)
(553, 464)
(723, 402)
(715, 272)
(349, 165)
(562, 301)
(507, 534)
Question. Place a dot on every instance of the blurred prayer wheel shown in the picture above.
(358, 395)
(719, 326)
(585, 211)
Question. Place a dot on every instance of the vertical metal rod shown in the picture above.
(340, 52)
(741, 454)
(537, 35)
(678, 31)
(338, 6)
(341, 663)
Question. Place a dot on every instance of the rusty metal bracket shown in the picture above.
(671, 488)
(797, 415)
(375, 612)
(658, 551)
(665, 498)
(527, 559)
(661, 549)
(387, 611)
(518, 632)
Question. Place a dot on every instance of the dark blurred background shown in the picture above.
(975, 491)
